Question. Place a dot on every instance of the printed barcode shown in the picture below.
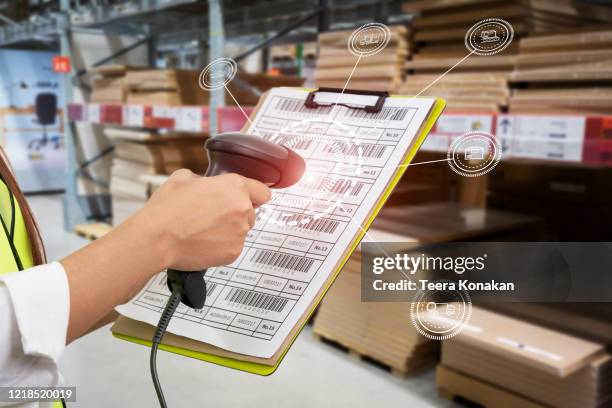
(294, 105)
(282, 260)
(309, 223)
(339, 186)
(210, 288)
(283, 141)
(384, 114)
(256, 299)
(367, 150)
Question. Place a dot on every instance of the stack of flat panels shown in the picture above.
(139, 153)
(174, 87)
(565, 73)
(382, 330)
(438, 34)
(378, 330)
(379, 72)
(535, 363)
(108, 83)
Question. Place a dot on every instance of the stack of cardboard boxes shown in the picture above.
(381, 330)
(140, 153)
(498, 361)
(108, 84)
(564, 73)
(478, 83)
(379, 72)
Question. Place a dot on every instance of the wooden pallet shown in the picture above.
(469, 391)
(359, 356)
(92, 231)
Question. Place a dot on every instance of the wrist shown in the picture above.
(152, 238)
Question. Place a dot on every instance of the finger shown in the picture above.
(251, 218)
(259, 193)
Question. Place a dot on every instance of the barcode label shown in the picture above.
(282, 260)
(384, 114)
(210, 288)
(363, 150)
(339, 186)
(308, 223)
(256, 299)
(295, 105)
(284, 140)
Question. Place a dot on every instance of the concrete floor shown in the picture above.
(109, 372)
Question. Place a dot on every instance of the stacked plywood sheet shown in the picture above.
(173, 87)
(465, 92)
(532, 363)
(379, 72)
(380, 331)
(108, 83)
(477, 83)
(569, 72)
(140, 153)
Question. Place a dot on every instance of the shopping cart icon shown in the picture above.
(370, 39)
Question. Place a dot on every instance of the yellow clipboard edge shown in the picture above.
(265, 370)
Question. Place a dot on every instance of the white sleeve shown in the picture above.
(34, 311)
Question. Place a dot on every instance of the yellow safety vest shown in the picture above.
(20, 242)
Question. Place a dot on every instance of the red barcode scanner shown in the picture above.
(249, 156)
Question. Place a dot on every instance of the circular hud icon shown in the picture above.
(369, 39)
(474, 154)
(489, 36)
(217, 74)
(441, 314)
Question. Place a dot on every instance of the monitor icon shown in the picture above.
(487, 36)
(474, 153)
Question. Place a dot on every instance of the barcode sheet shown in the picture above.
(301, 236)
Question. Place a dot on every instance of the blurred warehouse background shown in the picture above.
(99, 103)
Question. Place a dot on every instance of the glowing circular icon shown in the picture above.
(474, 154)
(217, 74)
(441, 314)
(489, 36)
(331, 167)
(369, 39)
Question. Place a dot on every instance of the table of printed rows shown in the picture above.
(287, 246)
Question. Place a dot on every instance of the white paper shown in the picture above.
(299, 237)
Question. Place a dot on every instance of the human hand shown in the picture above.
(201, 222)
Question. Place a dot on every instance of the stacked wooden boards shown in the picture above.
(478, 83)
(379, 72)
(175, 87)
(564, 73)
(380, 331)
(139, 153)
(108, 83)
(521, 361)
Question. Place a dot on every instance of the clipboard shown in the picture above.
(141, 333)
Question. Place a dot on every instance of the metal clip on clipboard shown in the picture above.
(377, 107)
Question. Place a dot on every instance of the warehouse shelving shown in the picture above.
(561, 138)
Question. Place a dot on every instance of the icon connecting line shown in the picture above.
(444, 74)
(348, 80)
(242, 110)
(416, 164)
